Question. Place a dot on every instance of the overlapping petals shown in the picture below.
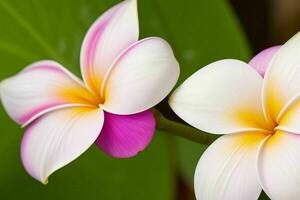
(281, 85)
(57, 138)
(227, 169)
(279, 164)
(215, 99)
(121, 75)
(41, 87)
(238, 164)
(150, 64)
(261, 61)
(110, 35)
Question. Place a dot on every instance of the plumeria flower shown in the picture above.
(122, 79)
(259, 116)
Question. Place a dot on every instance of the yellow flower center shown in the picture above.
(82, 96)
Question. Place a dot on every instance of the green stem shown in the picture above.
(182, 130)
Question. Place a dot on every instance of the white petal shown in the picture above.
(41, 86)
(279, 166)
(227, 169)
(282, 79)
(290, 120)
(112, 33)
(141, 77)
(223, 97)
(58, 138)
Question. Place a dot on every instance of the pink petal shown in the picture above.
(125, 136)
(261, 61)
(39, 88)
(57, 138)
(112, 33)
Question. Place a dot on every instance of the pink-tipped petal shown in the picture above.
(57, 138)
(261, 61)
(112, 33)
(141, 77)
(124, 136)
(42, 86)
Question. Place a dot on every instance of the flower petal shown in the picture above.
(261, 61)
(223, 97)
(125, 136)
(282, 79)
(279, 166)
(112, 33)
(290, 120)
(142, 76)
(40, 87)
(227, 169)
(57, 138)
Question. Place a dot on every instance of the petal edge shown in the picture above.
(58, 138)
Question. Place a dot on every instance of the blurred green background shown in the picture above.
(200, 31)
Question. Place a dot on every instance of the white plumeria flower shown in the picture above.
(260, 118)
(123, 78)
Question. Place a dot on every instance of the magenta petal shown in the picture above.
(261, 61)
(124, 136)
